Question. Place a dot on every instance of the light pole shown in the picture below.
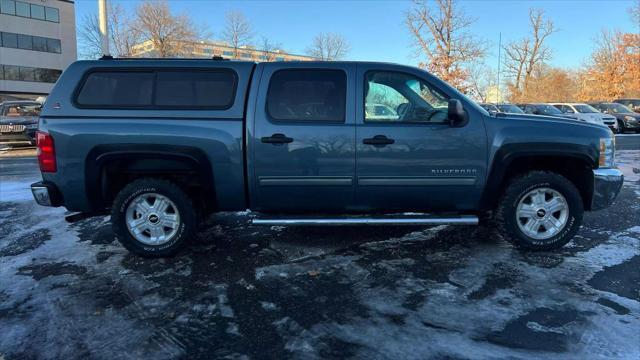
(104, 31)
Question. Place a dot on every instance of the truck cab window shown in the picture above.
(307, 95)
(400, 97)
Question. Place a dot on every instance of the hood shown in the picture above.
(554, 119)
(18, 120)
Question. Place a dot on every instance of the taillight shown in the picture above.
(46, 152)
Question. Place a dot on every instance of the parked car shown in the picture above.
(491, 108)
(626, 119)
(509, 109)
(160, 144)
(19, 120)
(542, 109)
(584, 112)
(633, 104)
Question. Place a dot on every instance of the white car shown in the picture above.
(584, 112)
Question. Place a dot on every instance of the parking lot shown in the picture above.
(71, 291)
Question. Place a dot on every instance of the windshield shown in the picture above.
(21, 110)
(549, 110)
(510, 108)
(617, 108)
(585, 109)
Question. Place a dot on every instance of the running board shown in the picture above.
(422, 220)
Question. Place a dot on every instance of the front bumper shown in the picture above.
(46, 194)
(606, 186)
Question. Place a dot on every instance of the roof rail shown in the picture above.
(109, 57)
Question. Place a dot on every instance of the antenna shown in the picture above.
(499, 58)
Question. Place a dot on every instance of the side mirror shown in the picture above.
(455, 113)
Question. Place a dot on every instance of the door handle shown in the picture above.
(276, 139)
(378, 141)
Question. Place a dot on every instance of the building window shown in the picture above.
(24, 73)
(33, 11)
(9, 40)
(207, 51)
(54, 46)
(279, 58)
(11, 72)
(37, 12)
(28, 42)
(39, 43)
(25, 42)
(27, 73)
(23, 9)
(8, 7)
(52, 14)
(227, 53)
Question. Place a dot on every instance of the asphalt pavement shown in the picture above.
(71, 291)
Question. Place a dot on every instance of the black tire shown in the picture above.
(187, 225)
(505, 216)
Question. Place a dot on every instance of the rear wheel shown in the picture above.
(153, 217)
(540, 211)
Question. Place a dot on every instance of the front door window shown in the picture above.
(399, 97)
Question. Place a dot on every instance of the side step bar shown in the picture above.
(423, 220)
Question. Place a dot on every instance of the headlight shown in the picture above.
(31, 126)
(607, 152)
(629, 118)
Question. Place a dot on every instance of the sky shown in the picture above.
(376, 29)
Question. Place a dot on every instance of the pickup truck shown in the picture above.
(161, 143)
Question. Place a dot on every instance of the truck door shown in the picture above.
(408, 157)
(302, 142)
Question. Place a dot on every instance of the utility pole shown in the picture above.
(499, 58)
(104, 31)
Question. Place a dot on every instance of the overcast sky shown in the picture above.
(377, 32)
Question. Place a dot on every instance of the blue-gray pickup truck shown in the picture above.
(161, 143)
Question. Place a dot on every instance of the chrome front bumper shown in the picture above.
(606, 186)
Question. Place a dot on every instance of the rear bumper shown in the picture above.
(15, 136)
(606, 187)
(46, 194)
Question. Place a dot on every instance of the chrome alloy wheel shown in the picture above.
(152, 219)
(542, 213)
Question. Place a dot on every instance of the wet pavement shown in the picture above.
(71, 291)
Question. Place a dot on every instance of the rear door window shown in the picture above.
(160, 89)
(307, 95)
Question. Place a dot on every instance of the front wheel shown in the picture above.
(540, 211)
(153, 217)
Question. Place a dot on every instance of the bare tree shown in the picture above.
(270, 49)
(237, 31)
(441, 33)
(171, 34)
(328, 47)
(522, 57)
(634, 12)
(482, 83)
(122, 34)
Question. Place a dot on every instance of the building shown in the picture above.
(206, 49)
(37, 42)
